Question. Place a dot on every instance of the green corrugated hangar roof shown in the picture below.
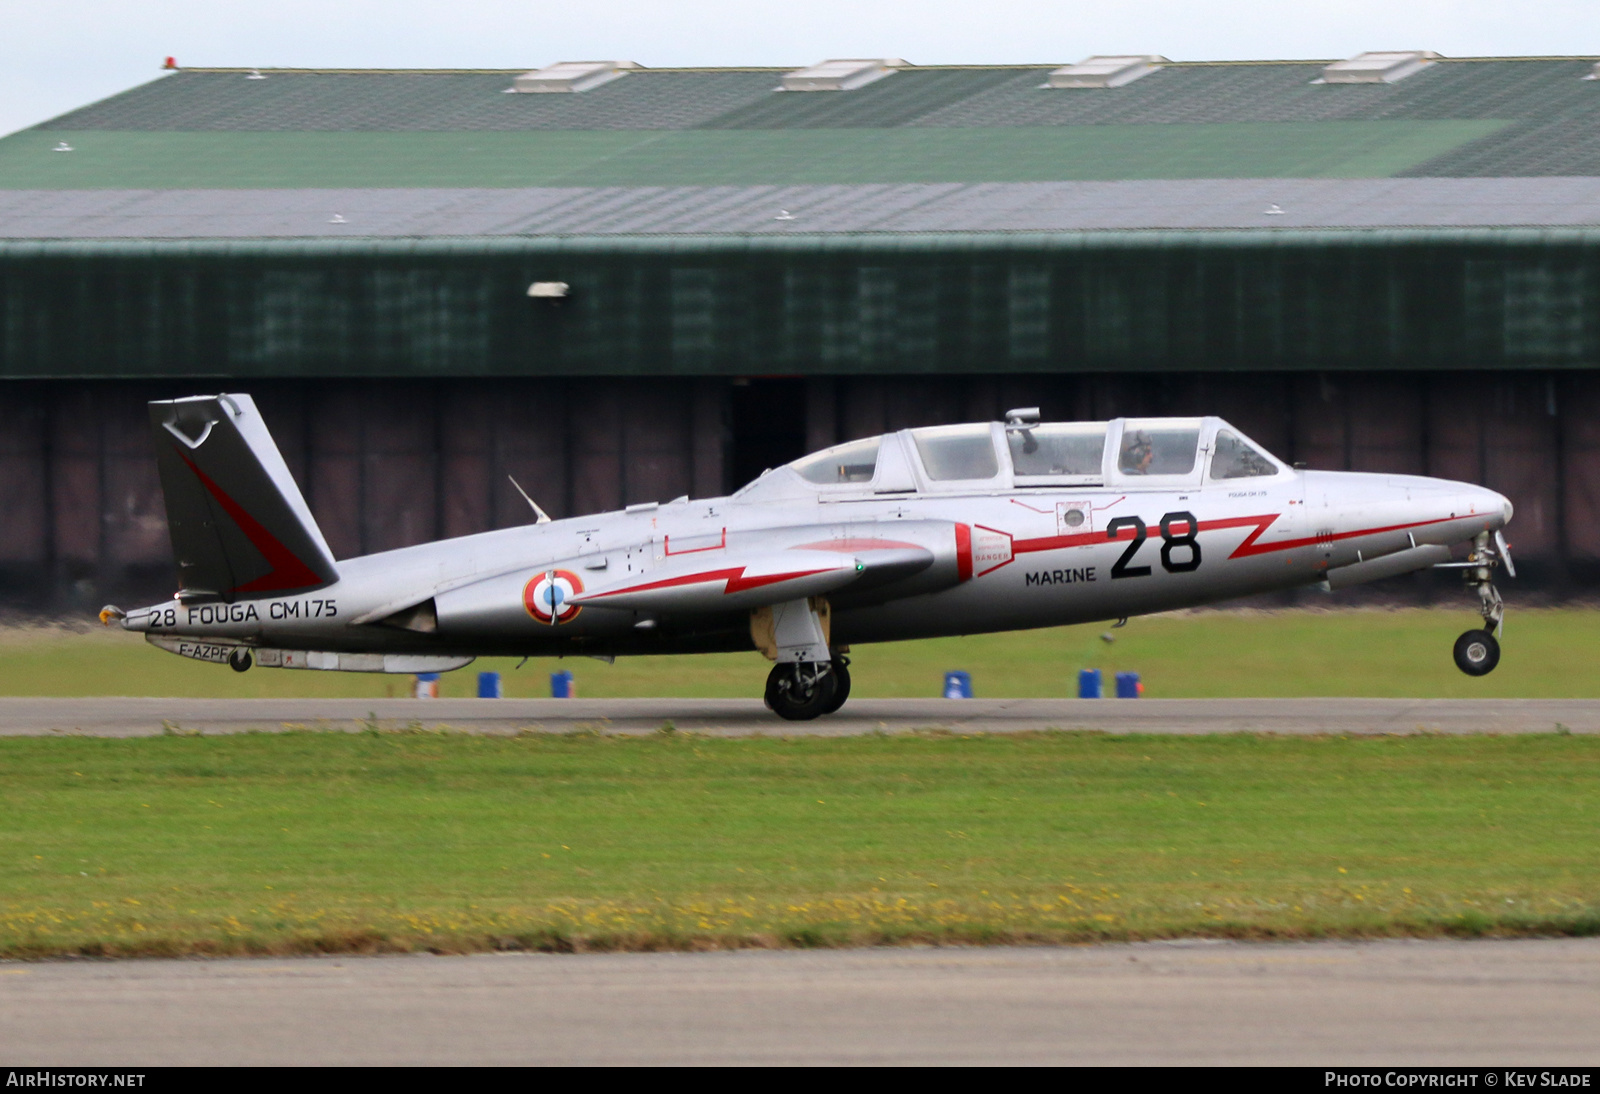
(277, 129)
(983, 220)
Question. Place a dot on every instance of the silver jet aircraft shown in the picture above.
(947, 530)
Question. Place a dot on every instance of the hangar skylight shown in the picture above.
(1106, 71)
(840, 75)
(1378, 68)
(571, 76)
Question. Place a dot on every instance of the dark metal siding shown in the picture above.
(1341, 301)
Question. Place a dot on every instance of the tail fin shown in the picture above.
(240, 528)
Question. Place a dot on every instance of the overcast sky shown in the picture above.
(62, 54)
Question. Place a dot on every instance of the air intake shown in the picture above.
(840, 75)
(1106, 71)
(1378, 68)
(571, 76)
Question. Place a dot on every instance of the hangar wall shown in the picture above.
(817, 305)
(388, 464)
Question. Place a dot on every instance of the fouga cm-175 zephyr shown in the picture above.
(947, 530)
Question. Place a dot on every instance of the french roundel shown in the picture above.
(547, 596)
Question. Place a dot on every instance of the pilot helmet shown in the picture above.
(1136, 448)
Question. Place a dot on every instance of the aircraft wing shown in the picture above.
(741, 580)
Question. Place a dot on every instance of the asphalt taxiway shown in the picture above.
(1519, 1002)
(114, 717)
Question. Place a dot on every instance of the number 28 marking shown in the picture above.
(1185, 541)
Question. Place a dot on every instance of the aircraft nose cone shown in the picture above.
(1498, 506)
(1506, 509)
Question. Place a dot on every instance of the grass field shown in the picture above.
(274, 843)
(1547, 652)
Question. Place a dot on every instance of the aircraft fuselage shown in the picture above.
(949, 530)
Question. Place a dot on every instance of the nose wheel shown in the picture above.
(1477, 652)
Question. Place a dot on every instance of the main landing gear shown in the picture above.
(810, 678)
(1477, 652)
(240, 660)
(801, 691)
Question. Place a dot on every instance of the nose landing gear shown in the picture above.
(1477, 652)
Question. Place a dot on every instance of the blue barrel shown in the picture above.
(1088, 683)
(1127, 685)
(427, 686)
(488, 685)
(561, 685)
(957, 685)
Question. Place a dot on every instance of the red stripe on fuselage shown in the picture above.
(1249, 547)
(734, 576)
(1056, 543)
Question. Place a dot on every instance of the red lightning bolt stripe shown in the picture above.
(1056, 543)
(734, 576)
(1249, 547)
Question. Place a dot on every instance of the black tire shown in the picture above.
(1477, 653)
(795, 702)
(240, 660)
(841, 684)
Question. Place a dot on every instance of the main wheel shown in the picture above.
(1477, 653)
(240, 660)
(841, 684)
(800, 696)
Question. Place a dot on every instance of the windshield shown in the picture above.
(1236, 459)
(1158, 450)
(853, 462)
(1058, 449)
(953, 452)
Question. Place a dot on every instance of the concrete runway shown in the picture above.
(1521, 1002)
(739, 717)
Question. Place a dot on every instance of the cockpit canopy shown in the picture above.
(855, 461)
(1126, 453)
